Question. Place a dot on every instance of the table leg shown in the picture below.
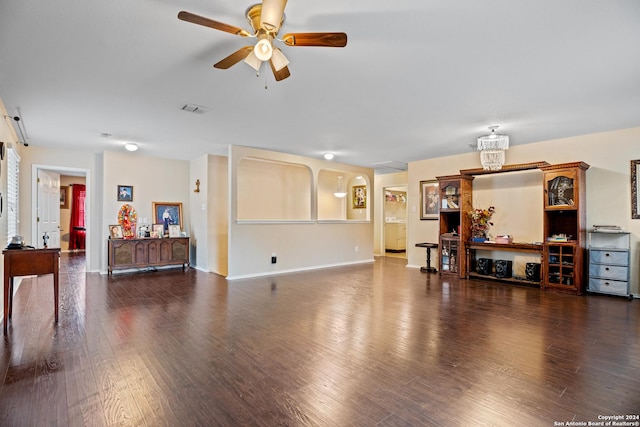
(56, 288)
(6, 298)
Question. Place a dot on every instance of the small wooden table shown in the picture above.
(429, 246)
(28, 262)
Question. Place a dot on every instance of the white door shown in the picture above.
(48, 209)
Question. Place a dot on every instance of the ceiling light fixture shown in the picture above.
(263, 50)
(492, 149)
(278, 59)
(341, 191)
(328, 156)
(131, 146)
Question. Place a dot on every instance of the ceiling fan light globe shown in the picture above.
(253, 61)
(263, 50)
(278, 59)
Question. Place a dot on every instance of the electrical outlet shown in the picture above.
(357, 249)
(274, 259)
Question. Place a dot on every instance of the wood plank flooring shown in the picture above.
(374, 344)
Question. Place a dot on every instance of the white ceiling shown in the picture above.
(418, 78)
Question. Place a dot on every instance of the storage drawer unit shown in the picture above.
(609, 263)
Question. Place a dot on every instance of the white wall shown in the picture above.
(218, 214)
(153, 179)
(298, 245)
(60, 160)
(199, 201)
(608, 185)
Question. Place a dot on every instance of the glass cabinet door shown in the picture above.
(560, 190)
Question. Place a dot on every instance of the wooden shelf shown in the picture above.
(505, 168)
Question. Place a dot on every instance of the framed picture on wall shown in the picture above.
(64, 197)
(359, 196)
(125, 193)
(429, 203)
(167, 213)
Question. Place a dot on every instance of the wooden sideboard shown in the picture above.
(147, 252)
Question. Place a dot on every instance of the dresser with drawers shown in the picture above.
(609, 262)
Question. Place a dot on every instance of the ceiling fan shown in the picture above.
(265, 19)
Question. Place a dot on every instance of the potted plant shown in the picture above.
(480, 223)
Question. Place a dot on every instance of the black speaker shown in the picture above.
(503, 268)
(484, 266)
(532, 271)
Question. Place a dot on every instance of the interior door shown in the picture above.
(48, 209)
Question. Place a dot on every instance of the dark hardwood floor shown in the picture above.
(374, 344)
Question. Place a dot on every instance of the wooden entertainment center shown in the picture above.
(562, 253)
(147, 252)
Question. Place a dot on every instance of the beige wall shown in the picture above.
(298, 245)
(608, 188)
(153, 179)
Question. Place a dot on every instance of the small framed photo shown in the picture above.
(64, 197)
(125, 193)
(174, 230)
(359, 196)
(429, 199)
(115, 231)
(158, 229)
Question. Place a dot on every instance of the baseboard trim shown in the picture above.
(296, 270)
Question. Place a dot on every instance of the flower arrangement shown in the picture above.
(481, 221)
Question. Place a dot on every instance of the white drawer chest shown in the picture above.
(609, 262)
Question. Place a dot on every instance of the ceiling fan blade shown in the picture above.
(316, 39)
(201, 20)
(279, 75)
(234, 58)
(272, 14)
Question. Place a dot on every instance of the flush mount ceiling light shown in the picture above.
(131, 146)
(341, 191)
(492, 149)
(328, 156)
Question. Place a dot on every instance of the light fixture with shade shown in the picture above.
(131, 146)
(492, 149)
(328, 156)
(341, 191)
(278, 59)
(263, 49)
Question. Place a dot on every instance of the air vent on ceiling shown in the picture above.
(390, 166)
(193, 108)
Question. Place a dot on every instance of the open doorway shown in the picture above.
(55, 211)
(395, 221)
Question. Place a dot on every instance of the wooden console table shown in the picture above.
(147, 252)
(28, 262)
(472, 247)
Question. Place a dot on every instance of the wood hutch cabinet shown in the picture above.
(564, 219)
(147, 252)
(454, 222)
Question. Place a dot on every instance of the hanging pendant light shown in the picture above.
(341, 191)
(492, 149)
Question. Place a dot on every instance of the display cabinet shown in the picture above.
(147, 252)
(454, 222)
(449, 255)
(564, 221)
(609, 262)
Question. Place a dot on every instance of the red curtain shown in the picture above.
(77, 225)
